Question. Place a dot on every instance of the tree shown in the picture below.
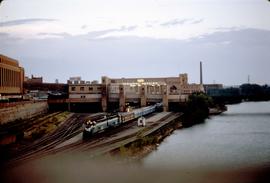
(197, 108)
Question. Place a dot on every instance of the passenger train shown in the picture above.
(93, 127)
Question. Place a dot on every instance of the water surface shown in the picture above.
(238, 138)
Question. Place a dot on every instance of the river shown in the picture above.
(238, 138)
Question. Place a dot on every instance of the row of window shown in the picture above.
(9, 78)
(83, 88)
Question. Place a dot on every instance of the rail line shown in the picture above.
(18, 126)
(70, 128)
(101, 140)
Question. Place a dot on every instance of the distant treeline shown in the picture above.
(196, 109)
(246, 92)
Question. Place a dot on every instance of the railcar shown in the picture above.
(93, 127)
(126, 116)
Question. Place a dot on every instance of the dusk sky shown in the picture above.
(58, 39)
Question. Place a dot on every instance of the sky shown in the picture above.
(58, 39)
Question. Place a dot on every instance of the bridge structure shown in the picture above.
(124, 91)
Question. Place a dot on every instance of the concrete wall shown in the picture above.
(23, 110)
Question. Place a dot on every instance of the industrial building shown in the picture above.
(11, 78)
(175, 85)
(118, 92)
(35, 88)
(33, 80)
(121, 93)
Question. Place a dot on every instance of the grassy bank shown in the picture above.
(45, 126)
(139, 148)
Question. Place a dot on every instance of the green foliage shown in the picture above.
(197, 108)
(255, 92)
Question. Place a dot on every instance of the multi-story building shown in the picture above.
(122, 91)
(175, 85)
(84, 90)
(11, 78)
(33, 80)
(147, 90)
(81, 92)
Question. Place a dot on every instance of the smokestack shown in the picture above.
(201, 75)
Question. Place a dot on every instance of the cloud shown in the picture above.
(239, 52)
(129, 28)
(7, 38)
(240, 37)
(25, 21)
(98, 34)
(197, 21)
(3, 34)
(175, 22)
(83, 26)
(226, 29)
(60, 34)
(41, 33)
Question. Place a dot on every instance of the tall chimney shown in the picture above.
(201, 75)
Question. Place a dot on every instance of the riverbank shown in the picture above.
(145, 143)
(141, 147)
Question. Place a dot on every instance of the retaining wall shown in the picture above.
(22, 111)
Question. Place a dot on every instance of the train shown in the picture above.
(93, 127)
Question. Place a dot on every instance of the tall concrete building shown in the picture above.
(11, 78)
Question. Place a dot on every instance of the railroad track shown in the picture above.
(93, 147)
(19, 126)
(82, 144)
(70, 128)
(100, 140)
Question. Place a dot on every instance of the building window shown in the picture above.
(8, 78)
(82, 88)
(83, 96)
(98, 88)
(90, 88)
(73, 88)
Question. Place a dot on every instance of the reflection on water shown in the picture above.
(239, 138)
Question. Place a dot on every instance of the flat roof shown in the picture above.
(8, 60)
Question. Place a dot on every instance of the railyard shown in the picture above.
(67, 139)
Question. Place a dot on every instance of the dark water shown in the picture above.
(239, 138)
